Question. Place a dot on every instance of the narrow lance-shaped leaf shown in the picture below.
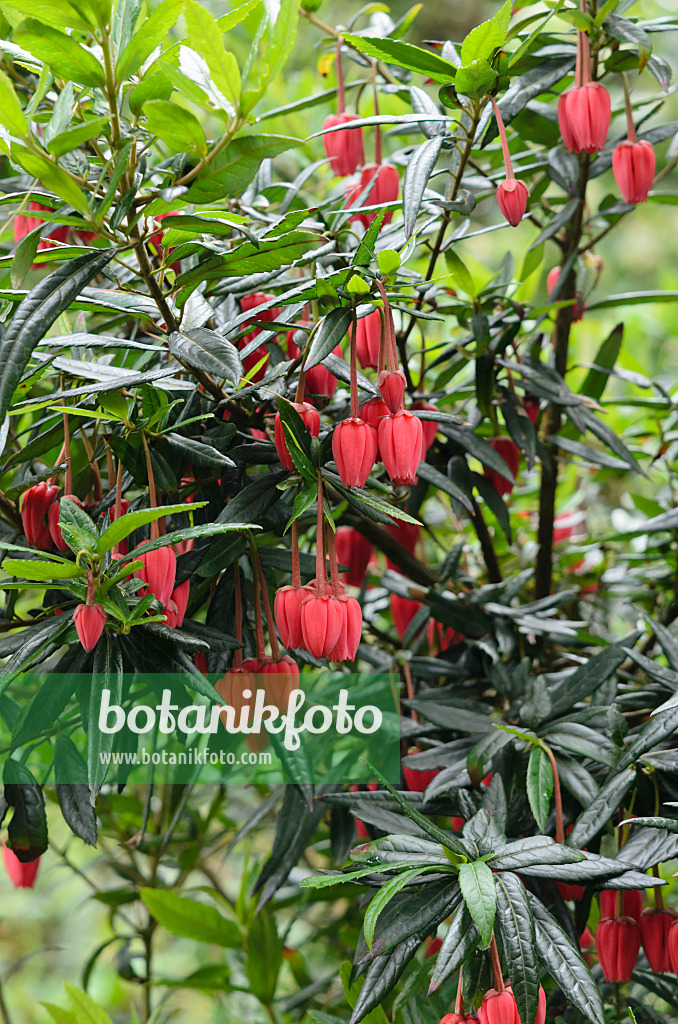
(477, 887)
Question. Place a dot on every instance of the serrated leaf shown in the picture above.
(516, 929)
(405, 55)
(565, 964)
(61, 53)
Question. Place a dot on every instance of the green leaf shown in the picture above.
(191, 533)
(85, 1009)
(190, 919)
(70, 771)
(44, 708)
(36, 314)
(516, 931)
(595, 817)
(40, 572)
(405, 55)
(606, 358)
(476, 80)
(205, 36)
(65, 57)
(384, 896)
(73, 137)
(539, 785)
(275, 52)
(107, 675)
(330, 332)
(152, 33)
(252, 259)
(264, 956)
(77, 527)
(459, 272)
(27, 832)
(51, 176)
(462, 937)
(477, 887)
(565, 964)
(207, 350)
(176, 126)
(122, 527)
(629, 32)
(233, 168)
(481, 42)
(419, 169)
(11, 114)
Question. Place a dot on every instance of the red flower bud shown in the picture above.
(631, 903)
(577, 309)
(655, 926)
(373, 412)
(634, 164)
(392, 387)
(344, 148)
(158, 573)
(584, 117)
(367, 340)
(440, 637)
(319, 380)
(570, 892)
(89, 621)
(417, 781)
(400, 437)
(351, 630)
(509, 452)
(512, 200)
(35, 505)
(287, 611)
(53, 521)
(618, 945)
(21, 873)
(322, 619)
(311, 421)
(429, 428)
(354, 447)
(403, 610)
(384, 190)
(355, 551)
(176, 606)
(498, 1008)
(531, 405)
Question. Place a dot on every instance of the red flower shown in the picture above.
(311, 421)
(322, 620)
(53, 520)
(584, 117)
(384, 190)
(280, 678)
(631, 903)
(429, 428)
(400, 438)
(531, 402)
(367, 337)
(403, 610)
(319, 380)
(355, 551)
(441, 637)
(508, 450)
(373, 412)
(344, 148)
(21, 873)
(570, 892)
(251, 302)
(354, 447)
(176, 606)
(512, 200)
(35, 505)
(618, 945)
(287, 611)
(158, 573)
(498, 1008)
(655, 926)
(392, 387)
(407, 535)
(89, 621)
(351, 630)
(23, 225)
(417, 781)
(577, 309)
(634, 164)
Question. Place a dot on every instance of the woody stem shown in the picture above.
(502, 136)
(118, 499)
(334, 569)
(630, 126)
(258, 623)
(354, 366)
(98, 488)
(296, 567)
(68, 476)
(341, 94)
(301, 386)
(410, 690)
(496, 966)
(389, 332)
(658, 898)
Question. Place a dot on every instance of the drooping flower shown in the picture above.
(322, 619)
(512, 195)
(21, 873)
(287, 610)
(176, 606)
(634, 165)
(584, 117)
(509, 452)
(346, 646)
(400, 437)
(354, 447)
(368, 331)
(391, 384)
(35, 505)
(655, 926)
(354, 551)
(618, 945)
(385, 184)
(345, 146)
(158, 572)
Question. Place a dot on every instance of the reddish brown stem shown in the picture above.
(68, 476)
(377, 128)
(258, 622)
(90, 588)
(341, 93)
(301, 386)
(152, 493)
(98, 488)
(560, 831)
(270, 621)
(389, 332)
(296, 566)
(354, 366)
(496, 966)
(508, 166)
(459, 1001)
(237, 657)
(319, 544)
(334, 569)
(658, 898)
(410, 688)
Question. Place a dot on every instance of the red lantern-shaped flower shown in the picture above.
(311, 421)
(512, 200)
(354, 447)
(509, 452)
(403, 610)
(319, 380)
(35, 505)
(418, 781)
(343, 147)
(355, 551)
(618, 945)
(392, 387)
(373, 411)
(322, 619)
(655, 926)
(349, 638)
(287, 611)
(386, 184)
(400, 437)
(176, 606)
(634, 164)
(24, 224)
(158, 572)
(498, 1008)
(584, 117)
(53, 521)
(368, 332)
(89, 621)
(21, 873)
(280, 678)
(429, 428)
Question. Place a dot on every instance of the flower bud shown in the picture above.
(21, 873)
(584, 117)
(655, 926)
(89, 621)
(345, 147)
(634, 164)
(384, 190)
(400, 436)
(403, 610)
(355, 551)
(35, 505)
(319, 380)
(618, 945)
(53, 521)
(512, 200)
(311, 421)
(509, 452)
(346, 646)
(631, 903)
(354, 447)
(176, 606)
(158, 572)
(367, 337)
(322, 619)
(392, 387)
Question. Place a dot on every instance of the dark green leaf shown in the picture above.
(477, 887)
(517, 933)
(27, 832)
(333, 328)
(565, 964)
